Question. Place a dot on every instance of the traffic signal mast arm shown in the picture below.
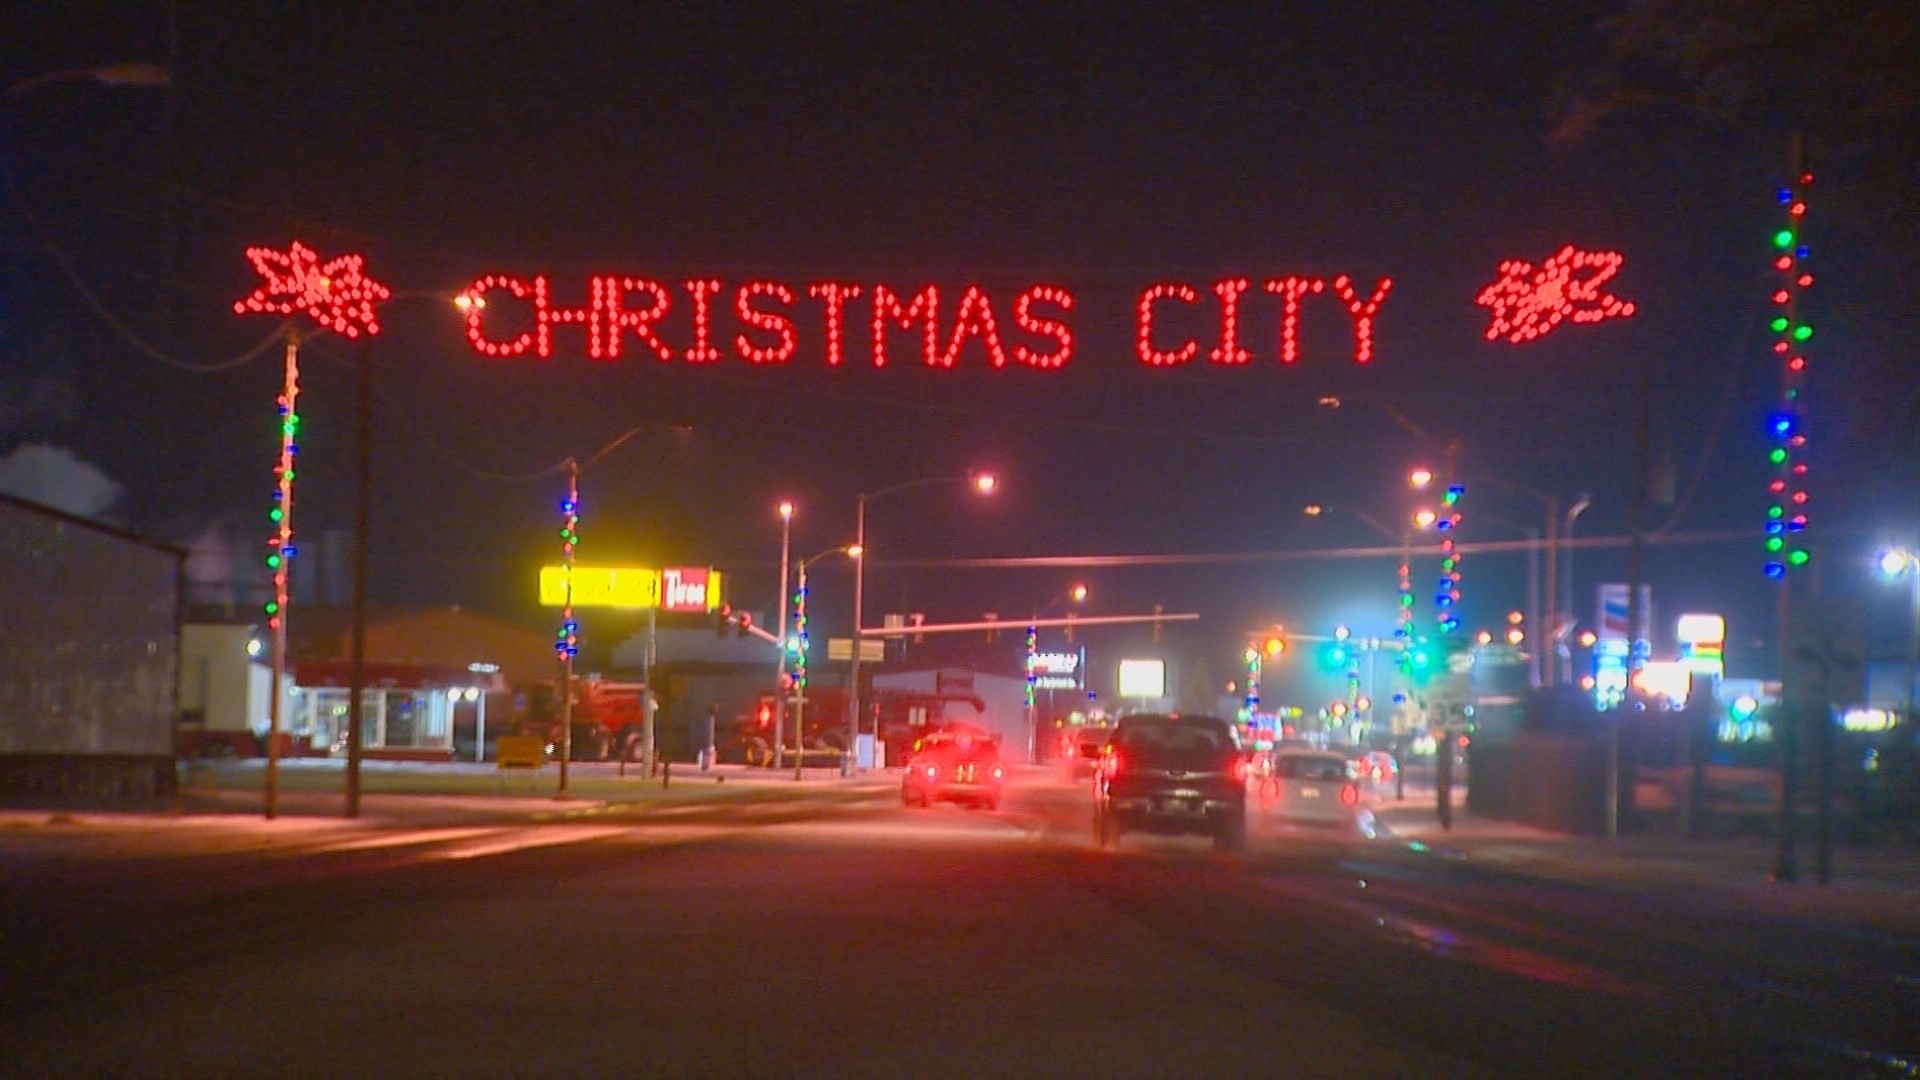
(1007, 624)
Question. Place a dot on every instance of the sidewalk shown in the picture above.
(1877, 885)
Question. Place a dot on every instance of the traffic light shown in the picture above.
(1334, 655)
(1274, 645)
(765, 715)
(722, 618)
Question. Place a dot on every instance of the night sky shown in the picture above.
(997, 145)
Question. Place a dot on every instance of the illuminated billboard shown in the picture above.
(675, 590)
(1143, 678)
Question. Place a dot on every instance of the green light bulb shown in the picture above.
(1777, 455)
(275, 514)
(1779, 324)
(1798, 558)
(273, 607)
(273, 561)
(1775, 512)
(1783, 239)
(1802, 333)
(1774, 543)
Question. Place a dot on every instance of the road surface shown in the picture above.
(834, 932)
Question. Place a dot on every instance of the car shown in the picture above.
(1319, 786)
(957, 768)
(1172, 773)
(1082, 749)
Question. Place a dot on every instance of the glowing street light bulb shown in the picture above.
(854, 551)
(1419, 478)
(985, 483)
(1313, 509)
(1425, 519)
(1897, 561)
(1079, 593)
(786, 511)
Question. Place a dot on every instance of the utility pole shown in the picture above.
(1636, 573)
(357, 652)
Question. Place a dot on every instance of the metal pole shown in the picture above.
(1643, 420)
(1913, 653)
(1546, 643)
(480, 729)
(567, 643)
(1535, 663)
(800, 683)
(853, 676)
(357, 653)
(1566, 577)
(647, 704)
(780, 668)
(282, 556)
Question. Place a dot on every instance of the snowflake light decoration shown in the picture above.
(1528, 303)
(336, 294)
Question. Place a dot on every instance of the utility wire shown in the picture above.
(100, 310)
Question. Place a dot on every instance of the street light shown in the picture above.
(799, 639)
(1904, 562)
(785, 509)
(1566, 536)
(984, 483)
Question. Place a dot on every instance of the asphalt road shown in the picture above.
(834, 932)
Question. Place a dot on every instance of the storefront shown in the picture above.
(406, 710)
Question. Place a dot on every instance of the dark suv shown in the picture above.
(1172, 774)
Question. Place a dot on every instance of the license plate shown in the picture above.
(1309, 792)
(1179, 806)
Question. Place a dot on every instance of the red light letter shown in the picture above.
(1362, 314)
(1290, 290)
(969, 321)
(547, 316)
(1055, 329)
(612, 293)
(836, 297)
(703, 351)
(765, 320)
(887, 306)
(476, 295)
(1229, 351)
(1148, 355)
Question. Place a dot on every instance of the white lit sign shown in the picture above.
(1056, 671)
(1143, 678)
(1665, 678)
(1866, 720)
(1702, 629)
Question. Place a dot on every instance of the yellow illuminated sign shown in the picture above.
(675, 589)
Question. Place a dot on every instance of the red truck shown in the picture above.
(607, 721)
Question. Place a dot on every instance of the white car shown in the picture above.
(1318, 786)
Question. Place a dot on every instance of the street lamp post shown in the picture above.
(852, 551)
(780, 625)
(1566, 575)
(984, 483)
(1895, 563)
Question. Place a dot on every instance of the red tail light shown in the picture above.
(1349, 795)
(1240, 769)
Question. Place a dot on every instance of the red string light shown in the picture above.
(1527, 303)
(765, 320)
(1054, 328)
(1154, 294)
(925, 309)
(1230, 352)
(475, 302)
(703, 351)
(546, 317)
(835, 297)
(336, 294)
(1362, 314)
(975, 317)
(1290, 290)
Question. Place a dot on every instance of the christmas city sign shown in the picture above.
(758, 320)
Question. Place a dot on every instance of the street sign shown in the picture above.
(1826, 655)
(872, 650)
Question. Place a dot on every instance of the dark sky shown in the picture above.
(1000, 145)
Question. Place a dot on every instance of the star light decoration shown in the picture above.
(1528, 302)
(337, 294)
